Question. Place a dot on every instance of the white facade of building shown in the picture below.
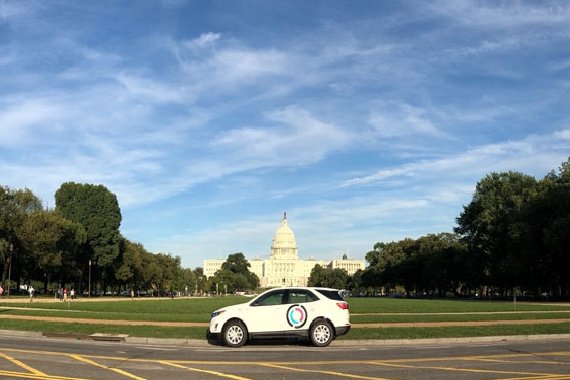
(284, 268)
(212, 266)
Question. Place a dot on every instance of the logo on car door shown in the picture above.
(297, 316)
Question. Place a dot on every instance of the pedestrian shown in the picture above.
(72, 294)
(64, 294)
(31, 290)
(1, 291)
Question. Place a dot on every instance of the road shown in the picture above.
(60, 359)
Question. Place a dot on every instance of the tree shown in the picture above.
(373, 257)
(492, 226)
(545, 234)
(235, 275)
(48, 239)
(96, 209)
(329, 278)
(317, 276)
(200, 284)
(15, 205)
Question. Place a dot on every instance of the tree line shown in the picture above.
(78, 245)
(512, 238)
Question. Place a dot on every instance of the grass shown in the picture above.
(398, 305)
(363, 310)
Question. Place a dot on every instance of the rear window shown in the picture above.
(331, 294)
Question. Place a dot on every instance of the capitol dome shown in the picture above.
(284, 245)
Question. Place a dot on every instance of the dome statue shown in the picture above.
(284, 245)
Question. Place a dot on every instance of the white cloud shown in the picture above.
(150, 89)
(563, 134)
(505, 14)
(532, 155)
(298, 138)
(12, 9)
(405, 120)
(20, 117)
(205, 39)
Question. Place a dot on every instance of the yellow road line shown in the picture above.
(117, 370)
(24, 375)
(455, 369)
(22, 365)
(203, 371)
(348, 375)
(557, 377)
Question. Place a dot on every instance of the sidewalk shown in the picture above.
(335, 343)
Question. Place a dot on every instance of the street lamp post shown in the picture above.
(10, 268)
(89, 278)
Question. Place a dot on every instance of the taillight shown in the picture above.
(342, 305)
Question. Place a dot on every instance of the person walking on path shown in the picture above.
(31, 291)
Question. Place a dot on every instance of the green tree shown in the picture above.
(317, 276)
(545, 234)
(235, 275)
(96, 209)
(48, 239)
(329, 278)
(373, 257)
(15, 206)
(491, 224)
(201, 281)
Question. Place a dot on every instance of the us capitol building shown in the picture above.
(284, 268)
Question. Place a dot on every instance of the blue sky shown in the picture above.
(366, 121)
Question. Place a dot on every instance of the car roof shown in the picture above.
(304, 287)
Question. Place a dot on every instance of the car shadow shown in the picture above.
(298, 342)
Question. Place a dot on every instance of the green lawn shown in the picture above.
(363, 310)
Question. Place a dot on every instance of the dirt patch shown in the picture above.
(95, 321)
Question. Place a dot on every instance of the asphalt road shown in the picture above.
(58, 359)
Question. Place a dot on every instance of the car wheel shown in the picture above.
(321, 333)
(234, 334)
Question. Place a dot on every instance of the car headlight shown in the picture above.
(217, 312)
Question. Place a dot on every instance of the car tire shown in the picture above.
(321, 333)
(234, 334)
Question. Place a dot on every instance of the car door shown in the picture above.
(267, 314)
(301, 309)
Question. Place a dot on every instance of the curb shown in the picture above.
(335, 343)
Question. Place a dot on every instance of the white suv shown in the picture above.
(321, 314)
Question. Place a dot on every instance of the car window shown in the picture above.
(273, 298)
(331, 294)
(301, 296)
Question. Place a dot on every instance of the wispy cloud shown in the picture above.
(406, 120)
(298, 138)
(530, 155)
(505, 14)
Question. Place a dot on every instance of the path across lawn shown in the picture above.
(93, 321)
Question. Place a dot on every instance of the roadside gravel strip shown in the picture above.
(94, 321)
